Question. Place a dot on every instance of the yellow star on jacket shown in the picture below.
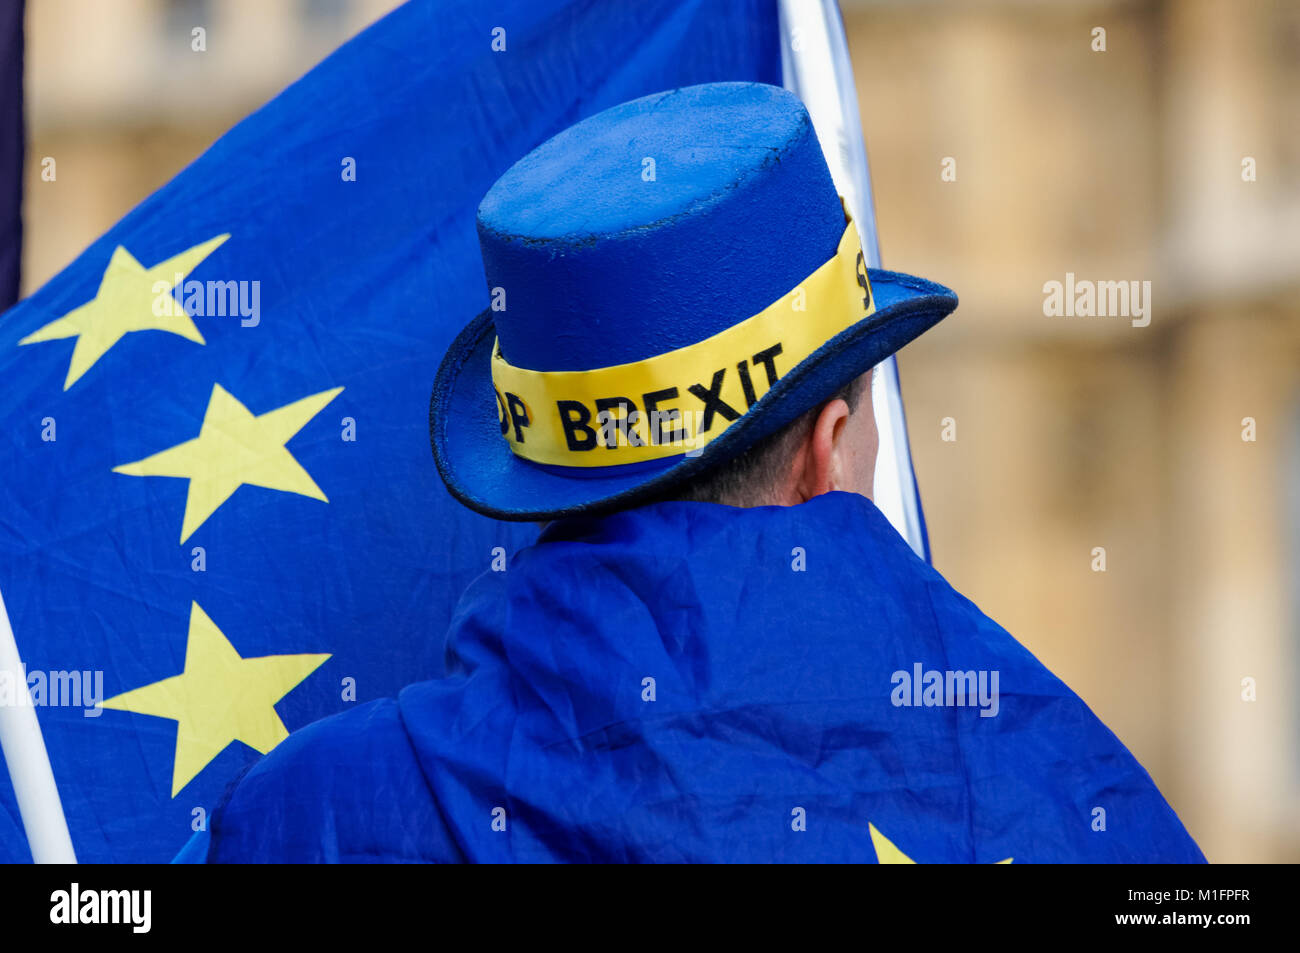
(234, 448)
(887, 853)
(219, 698)
(130, 298)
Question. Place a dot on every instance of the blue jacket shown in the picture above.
(694, 682)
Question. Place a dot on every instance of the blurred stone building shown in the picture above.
(120, 99)
(1132, 163)
(1072, 433)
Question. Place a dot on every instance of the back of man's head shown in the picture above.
(830, 447)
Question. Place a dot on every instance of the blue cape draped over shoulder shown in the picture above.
(693, 682)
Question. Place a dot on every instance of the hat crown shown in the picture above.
(656, 224)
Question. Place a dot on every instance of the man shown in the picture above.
(718, 649)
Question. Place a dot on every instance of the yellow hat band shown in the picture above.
(677, 402)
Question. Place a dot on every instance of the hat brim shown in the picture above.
(482, 472)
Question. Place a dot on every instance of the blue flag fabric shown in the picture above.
(691, 682)
(219, 515)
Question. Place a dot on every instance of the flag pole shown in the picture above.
(816, 67)
(27, 760)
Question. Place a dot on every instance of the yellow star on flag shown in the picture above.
(130, 298)
(219, 698)
(234, 448)
(887, 853)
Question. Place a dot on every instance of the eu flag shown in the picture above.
(219, 519)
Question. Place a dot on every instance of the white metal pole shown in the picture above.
(816, 68)
(27, 760)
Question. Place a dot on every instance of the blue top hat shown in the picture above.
(672, 280)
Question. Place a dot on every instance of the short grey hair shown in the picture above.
(751, 478)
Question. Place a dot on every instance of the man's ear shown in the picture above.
(819, 463)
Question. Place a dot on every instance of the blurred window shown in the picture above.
(182, 16)
(325, 13)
